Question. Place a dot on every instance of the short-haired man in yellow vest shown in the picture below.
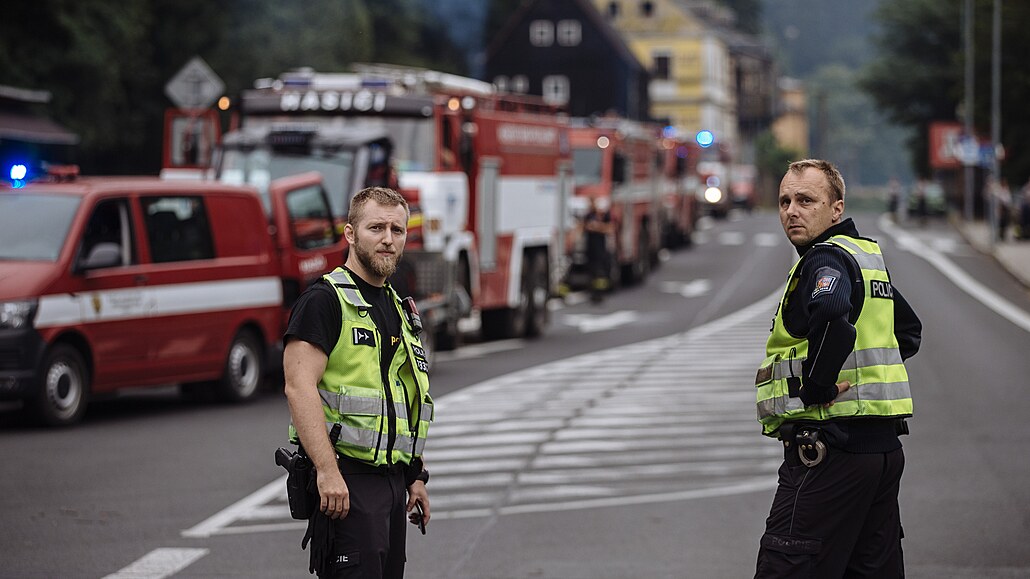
(356, 370)
(833, 388)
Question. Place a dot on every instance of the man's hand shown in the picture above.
(842, 387)
(417, 493)
(333, 494)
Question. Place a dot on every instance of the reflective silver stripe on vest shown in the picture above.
(857, 359)
(376, 406)
(882, 391)
(356, 436)
(350, 291)
(368, 439)
(865, 259)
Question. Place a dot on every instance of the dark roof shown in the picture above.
(587, 7)
(21, 121)
(33, 129)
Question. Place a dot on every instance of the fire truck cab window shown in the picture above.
(586, 165)
(310, 218)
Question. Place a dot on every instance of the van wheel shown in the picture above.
(64, 387)
(244, 368)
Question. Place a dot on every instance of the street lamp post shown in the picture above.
(968, 108)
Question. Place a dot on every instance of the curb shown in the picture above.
(1012, 257)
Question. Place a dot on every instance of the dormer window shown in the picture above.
(570, 32)
(541, 33)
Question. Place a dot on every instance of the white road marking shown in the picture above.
(589, 323)
(479, 350)
(616, 427)
(964, 281)
(768, 239)
(691, 289)
(159, 563)
(731, 238)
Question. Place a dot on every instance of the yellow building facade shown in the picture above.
(692, 84)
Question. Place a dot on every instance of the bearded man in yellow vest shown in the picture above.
(358, 391)
(834, 389)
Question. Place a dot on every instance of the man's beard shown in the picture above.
(381, 266)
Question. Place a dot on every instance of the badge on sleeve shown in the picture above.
(824, 285)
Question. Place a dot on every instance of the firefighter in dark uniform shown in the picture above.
(356, 370)
(834, 389)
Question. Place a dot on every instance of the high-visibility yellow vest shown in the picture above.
(879, 382)
(372, 413)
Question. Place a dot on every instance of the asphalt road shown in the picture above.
(621, 444)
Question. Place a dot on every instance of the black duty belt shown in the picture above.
(354, 466)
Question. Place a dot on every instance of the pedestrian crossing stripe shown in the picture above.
(614, 427)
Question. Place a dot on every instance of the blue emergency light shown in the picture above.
(705, 138)
(18, 172)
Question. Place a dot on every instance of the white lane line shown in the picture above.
(479, 350)
(234, 512)
(731, 238)
(159, 563)
(590, 323)
(956, 275)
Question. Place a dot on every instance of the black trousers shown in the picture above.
(837, 519)
(370, 540)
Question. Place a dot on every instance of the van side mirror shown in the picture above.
(102, 255)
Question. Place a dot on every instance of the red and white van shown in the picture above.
(112, 282)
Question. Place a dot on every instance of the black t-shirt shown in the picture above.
(317, 318)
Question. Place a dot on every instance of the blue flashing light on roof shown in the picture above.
(670, 132)
(705, 138)
(18, 172)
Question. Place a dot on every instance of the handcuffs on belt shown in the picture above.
(807, 440)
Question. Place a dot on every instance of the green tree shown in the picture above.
(917, 76)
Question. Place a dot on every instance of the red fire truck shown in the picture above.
(489, 175)
(678, 183)
(618, 162)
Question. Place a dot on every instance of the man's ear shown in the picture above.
(838, 210)
(348, 233)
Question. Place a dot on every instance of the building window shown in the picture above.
(570, 32)
(541, 32)
(519, 84)
(613, 9)
(501, 82)
(661, 67)
(647, 9)
(556, 89)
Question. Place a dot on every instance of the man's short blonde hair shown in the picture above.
(827, 168)
(381, 195)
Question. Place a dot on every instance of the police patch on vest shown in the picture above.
(418, 351)
(421, 364)
(363, 337)
(881, 289)
(824, 285)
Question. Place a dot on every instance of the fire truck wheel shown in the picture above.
(64, 382)
(536, 287)
(244, 368)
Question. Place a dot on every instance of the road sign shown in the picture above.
(195, 86)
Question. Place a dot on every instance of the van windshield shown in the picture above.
(33, 226)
